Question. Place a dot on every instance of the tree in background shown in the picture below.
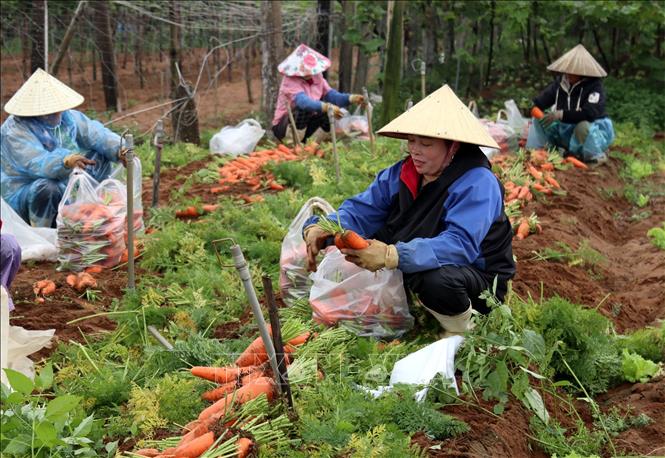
(346, 48)
(37, 35)
(272, 52)
(393, 70)
(102, 23)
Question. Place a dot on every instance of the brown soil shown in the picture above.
(629, 286)
(64, 305)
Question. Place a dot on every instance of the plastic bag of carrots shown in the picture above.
(294, 281)
(367, 303)
(120, 174)
(91, 223)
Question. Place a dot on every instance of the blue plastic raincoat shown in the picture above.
(33, 175)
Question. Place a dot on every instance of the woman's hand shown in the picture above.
(315, 239)
(337, 111)
(122, 156)
(376, 256)
(357, 99)
(77, 160)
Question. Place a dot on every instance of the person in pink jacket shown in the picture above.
(308, 94)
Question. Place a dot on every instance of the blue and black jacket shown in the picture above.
(458, 219)
(582, 101)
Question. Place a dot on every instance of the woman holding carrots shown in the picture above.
(578, 122)
(43, 140)
(437, 215)
(308, 94)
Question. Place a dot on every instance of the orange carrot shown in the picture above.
(552, 182)
(513, 194)
(523, 229)
(49, 288)
(253, 355)
(250, 377)
(95, 269)
(537, 113)
(252, 390)
(149, 452)
(509, 186)
(84, 281)
(219, 392)
(216, 374)
(299, 340)
(196, 447)
(276, 186)
(72, 280)
(540, 188)
(244, 447)
(534, 172)
(189, 212)
(353, 240)
(523, 192)
(283, 148)
(576, 163)
(547, 166)
(339, 243)
(209, 208)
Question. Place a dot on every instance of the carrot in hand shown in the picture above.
(196, 447)
(354, 241)
(537, 113)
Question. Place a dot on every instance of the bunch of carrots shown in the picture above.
(81, 281)
(237, 385)
(344, 238)
(43, 288)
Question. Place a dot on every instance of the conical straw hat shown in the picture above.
(578, 61)
(440, 115)
(42, 94)
(304, 61)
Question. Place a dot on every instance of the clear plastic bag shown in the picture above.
(294, 281)
(353, 125)
(502, 133)
(515, 119)
(37, 243)
(91, 223)
(120, 174)
(368, 303)
(236, 140)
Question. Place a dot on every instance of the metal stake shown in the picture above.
(331, 120)
(277, 340)
(160, 338)
(368, 109)
(294, 130)
(243, 270)
(129, 144)
(423, 89)
(159, 134)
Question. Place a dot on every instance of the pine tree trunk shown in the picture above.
(138, 53)
(25, 40)
(491, 46)
(247, 54)
(322, 27)
(362, 65)
(346, 48)
(93, 51)
(272, 50)
(393, 71)
(102, 24)
(451, 33)
(37, 35)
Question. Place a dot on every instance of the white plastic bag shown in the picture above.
(37, 243)
(502, 133)
(120, 174)
(294, 280)
(239, 139)
(515, 119)
(367, 303)
(353, 125)
(16, 343)
(91, 222)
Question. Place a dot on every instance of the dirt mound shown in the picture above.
(625, 284)
(64, 305)
(635, 399)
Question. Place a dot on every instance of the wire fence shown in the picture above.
(215, 38)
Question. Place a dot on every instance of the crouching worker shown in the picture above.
(10, 261)
(309, 95)
(578, 122)
(43, 140)
(436, 215)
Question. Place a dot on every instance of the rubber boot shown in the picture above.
(454, 325)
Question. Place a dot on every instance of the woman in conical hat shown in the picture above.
(577, 121)
(308, 94)
(437, 215)
(43, 140)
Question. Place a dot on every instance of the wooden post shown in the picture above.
(294, 129)
(368, 109)
(333, 134)
(283, 376)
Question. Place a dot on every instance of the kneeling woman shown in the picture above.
(437, 215)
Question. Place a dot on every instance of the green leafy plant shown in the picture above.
(583, 256)
(637, 369)
(657, 236)
(647, 342)
(33, 425)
